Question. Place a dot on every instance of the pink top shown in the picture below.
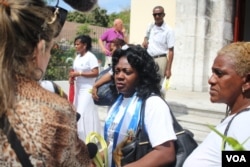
(109, 36)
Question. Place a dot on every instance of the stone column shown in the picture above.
(202, 28)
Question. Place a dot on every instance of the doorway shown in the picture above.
(242, 20)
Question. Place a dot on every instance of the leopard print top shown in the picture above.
(46, 126)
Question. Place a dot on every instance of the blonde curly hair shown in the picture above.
(239, 52)
(23, 23)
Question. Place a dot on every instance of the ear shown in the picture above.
(246, 84)
(40, 48)
(40, 55)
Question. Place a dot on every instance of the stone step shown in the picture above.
(200, 131)
(194, 126)
(196, 118)
(206, 113)
(197, 121)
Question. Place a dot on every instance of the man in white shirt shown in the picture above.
(159, 41)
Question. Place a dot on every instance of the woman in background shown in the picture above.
(85, 71)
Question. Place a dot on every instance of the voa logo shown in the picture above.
(236, 158)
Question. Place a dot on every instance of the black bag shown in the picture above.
(184, 145)
(140, 146)
(106, 96)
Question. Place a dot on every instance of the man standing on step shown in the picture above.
(159, 41)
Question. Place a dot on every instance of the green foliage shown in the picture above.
(83, 29)
(100, 17)
(231, 141)
(124, 15)
(58, 67)
(97, 17)
(62, 60)
(77, 17)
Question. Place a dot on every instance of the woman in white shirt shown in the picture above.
(85, 71)
(229, 84)
(136, 79)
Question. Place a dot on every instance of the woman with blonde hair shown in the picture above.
(229, 84)
(37, 127)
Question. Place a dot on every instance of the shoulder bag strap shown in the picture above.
(141, 126)
(177, 127)
(229, 124)
(141, 130)
(15, 143)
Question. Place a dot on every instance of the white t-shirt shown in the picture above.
(160, 39)
(158, 122)
(209, 152)
(85, 63)
(48, 85)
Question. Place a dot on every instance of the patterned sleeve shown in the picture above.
(75, 150)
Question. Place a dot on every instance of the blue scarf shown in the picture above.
(128, 121)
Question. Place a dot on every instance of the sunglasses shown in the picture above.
(158, 14)
(59, 14)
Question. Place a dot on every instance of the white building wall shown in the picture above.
(202, 28)
(141, 17)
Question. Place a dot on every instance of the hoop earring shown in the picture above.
(37, 74)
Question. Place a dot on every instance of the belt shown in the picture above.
(158, 56)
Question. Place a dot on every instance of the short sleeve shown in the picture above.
(158, 121)
(171, 38)
(93, 61)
